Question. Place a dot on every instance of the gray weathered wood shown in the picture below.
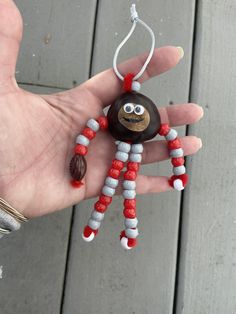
(207, 277)
(102, 278)
(57, 42)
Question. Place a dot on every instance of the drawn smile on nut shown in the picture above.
(134, 117)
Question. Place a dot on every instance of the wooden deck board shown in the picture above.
(54, 32)
(207, 275)
(102, 278)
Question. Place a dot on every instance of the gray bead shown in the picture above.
(93, 124)
(97, 216)
(124, 147)
(137, 148)
(179, 170)
(135, 157)
(83, 140)
(129, 194)
(111, 182)
(129, 185)
(176, 152)
(106, 190)
(131, 223)
(8, 222)
(122, 156)
(171, 135)
(131, 233)
(94, 224)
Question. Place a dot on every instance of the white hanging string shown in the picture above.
(135, 19)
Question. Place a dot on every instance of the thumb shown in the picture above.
(10, 38)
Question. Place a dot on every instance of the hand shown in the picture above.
(37, 132)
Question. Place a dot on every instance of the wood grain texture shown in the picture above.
(57, 42)
(102, 278)
(207, 277)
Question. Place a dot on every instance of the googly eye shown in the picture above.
(138, 109)
(128, 108)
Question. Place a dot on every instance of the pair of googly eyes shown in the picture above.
(138, 109)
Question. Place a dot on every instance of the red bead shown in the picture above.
(87, 231)
(117, 164)
(174, 144)
(130, 203)
(164, 129)
(105, 200)
(122, 234)
(178, 161)
(130, 175)
(128, 80)
(132, 242)
(183, 177)
(81, 149)
(103, 122)
(129, 213)
(89, 133)
(101, 208)
(76, 184)
(114, 173)
(134, 166)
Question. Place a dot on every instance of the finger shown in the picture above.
(176, 115)
(158, 151)
(106, 86)
(10, 37)
(151, 184)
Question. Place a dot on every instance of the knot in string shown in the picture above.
(135, 19)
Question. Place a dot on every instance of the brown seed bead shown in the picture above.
(78, 167)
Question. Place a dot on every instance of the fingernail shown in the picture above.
(200, 143)
(181, 52)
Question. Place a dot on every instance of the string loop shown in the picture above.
(135, 20)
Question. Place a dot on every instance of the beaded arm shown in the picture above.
(78, 165)
(179, 180)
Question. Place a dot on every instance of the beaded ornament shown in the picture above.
(132, 119)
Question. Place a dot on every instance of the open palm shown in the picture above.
(37, 132)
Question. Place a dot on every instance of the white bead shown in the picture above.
(131, 223)
(129, 185)
(179, 170)
(171, 135)
(178, 185)
(90, 238)
(176, 152)
(111, 182)
(97, 215)
(135, 157)
(94, 224)
(106, 190)
(124, 147)
(129, 194)
(137, 148)
(83, 140)
(93, 124)
(122, 156)
(136, 86)
(124, 243)
(131, 233)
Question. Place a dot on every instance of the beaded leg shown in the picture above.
(128, 237)
(179, 180)
(108, 190)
